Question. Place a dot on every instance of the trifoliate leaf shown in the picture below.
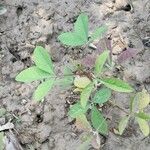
(80, 34)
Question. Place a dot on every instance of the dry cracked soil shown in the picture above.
(27, 23)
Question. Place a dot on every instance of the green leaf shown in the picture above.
(100, 61)
(3, 9)
(81, 82)
(143, 115)
(143, 126)
(1, 141)
(86, 94)
(71, 39)
(144, 99)
(82, 123)
(132, 104)
(76, 110)
(99, 122)
(139, 101)
(31, 74)
(81, 27)
(80, 34)
(117, 85)
(43, 89)
(42, 60)
(102, 96)
(98, 33)
(123, 124)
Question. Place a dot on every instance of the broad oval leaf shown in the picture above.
(100, 61)
(43, 89)
(143, 126)
(81, 27)
(144, 99)
(42, 60)
(76, 110)
(31, 74)
(117, 85)
(82, 123)
(143, 115)
(86, 94)
(98, 33)
(81, 82)
(3, 9)
(99, 122)
(123, 124)
(102, 96)
(71, 39)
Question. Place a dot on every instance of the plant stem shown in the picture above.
(60, 76)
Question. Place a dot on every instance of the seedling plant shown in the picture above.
(94, 86)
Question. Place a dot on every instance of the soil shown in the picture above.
(27, 23)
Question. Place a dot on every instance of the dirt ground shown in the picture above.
(27, 23)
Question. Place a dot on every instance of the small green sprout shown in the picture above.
(42, 70)
(80, 34)
(137, 105)
(93, 95)
(94, 87)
